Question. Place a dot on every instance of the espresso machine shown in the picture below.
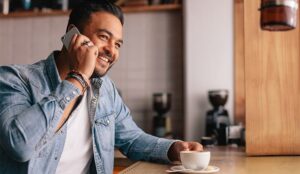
(162, 122)
(217, 119)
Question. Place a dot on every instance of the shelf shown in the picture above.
(23, 14)
(133, 9)
(164, 7)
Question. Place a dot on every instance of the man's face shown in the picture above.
(105, 31)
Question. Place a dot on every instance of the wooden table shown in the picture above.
(230, 161)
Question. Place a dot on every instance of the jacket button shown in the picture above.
(68, 98)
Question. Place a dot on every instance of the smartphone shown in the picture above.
(66, 39)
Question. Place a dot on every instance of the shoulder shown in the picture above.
(107, 82)
(15, 69)
(108, 85)
(20, 73)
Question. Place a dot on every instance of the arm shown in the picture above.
(134, 142)
(26, 127)
(70, 106)
(138, 145)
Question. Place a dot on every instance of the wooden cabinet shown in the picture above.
(267, 83)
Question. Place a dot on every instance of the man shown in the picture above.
(64, 115)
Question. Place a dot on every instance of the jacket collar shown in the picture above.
(54, 77)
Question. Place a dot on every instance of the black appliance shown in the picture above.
(161, 122)
(217, 119)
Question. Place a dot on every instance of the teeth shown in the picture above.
(104, 59)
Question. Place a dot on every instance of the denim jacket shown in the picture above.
(32, 101)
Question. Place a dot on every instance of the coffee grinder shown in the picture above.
(217, 119)
(162, 122)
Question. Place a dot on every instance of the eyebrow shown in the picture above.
(110, 34)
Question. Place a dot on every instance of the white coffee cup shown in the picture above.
(195, 160)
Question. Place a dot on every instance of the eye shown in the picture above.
(118, 45)
(103, 37)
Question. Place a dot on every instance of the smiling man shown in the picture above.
(64, 115)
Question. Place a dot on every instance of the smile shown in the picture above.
(104, 59)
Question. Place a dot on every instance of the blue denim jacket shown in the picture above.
(32, 100)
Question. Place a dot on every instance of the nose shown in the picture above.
(108, 53)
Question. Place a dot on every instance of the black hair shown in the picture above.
(80, 14)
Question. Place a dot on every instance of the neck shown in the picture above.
(62, 63)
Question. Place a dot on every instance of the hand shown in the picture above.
(174, 151)
(82, 55)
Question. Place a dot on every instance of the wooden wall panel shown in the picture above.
(239, 62)
(272, 87)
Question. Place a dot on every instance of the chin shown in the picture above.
(100, 72)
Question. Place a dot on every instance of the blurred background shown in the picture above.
(174, 53)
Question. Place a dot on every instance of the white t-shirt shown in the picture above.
(77, 154)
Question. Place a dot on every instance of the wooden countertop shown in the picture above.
(231, 160)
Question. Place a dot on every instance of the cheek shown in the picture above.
(97, 42)
(99, 45)
(117, 56)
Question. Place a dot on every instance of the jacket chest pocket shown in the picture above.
(105, 131)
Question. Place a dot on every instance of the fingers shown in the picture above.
(81, 40)
(89, 45)
(82, 54)
(78, 41)
(195, 146)
(191, 146)
(177, 147)
(73, 41)
(185, 146)
(93, 51)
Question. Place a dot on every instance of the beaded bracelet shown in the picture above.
(79, 77)
(85, 78)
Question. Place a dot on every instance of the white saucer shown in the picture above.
(181, 169)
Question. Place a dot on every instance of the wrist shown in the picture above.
(82, 75)
(77, 84)
(79, 78)
(172, 155)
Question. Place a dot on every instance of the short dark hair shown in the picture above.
(80, 14)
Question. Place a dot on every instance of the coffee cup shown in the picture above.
(195, 160)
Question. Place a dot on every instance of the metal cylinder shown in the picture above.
(278, 15)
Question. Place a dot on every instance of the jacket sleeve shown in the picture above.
(132, 141)
(26, 127)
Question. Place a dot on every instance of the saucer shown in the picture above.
(181, 169)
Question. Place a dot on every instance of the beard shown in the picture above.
(100, 73)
